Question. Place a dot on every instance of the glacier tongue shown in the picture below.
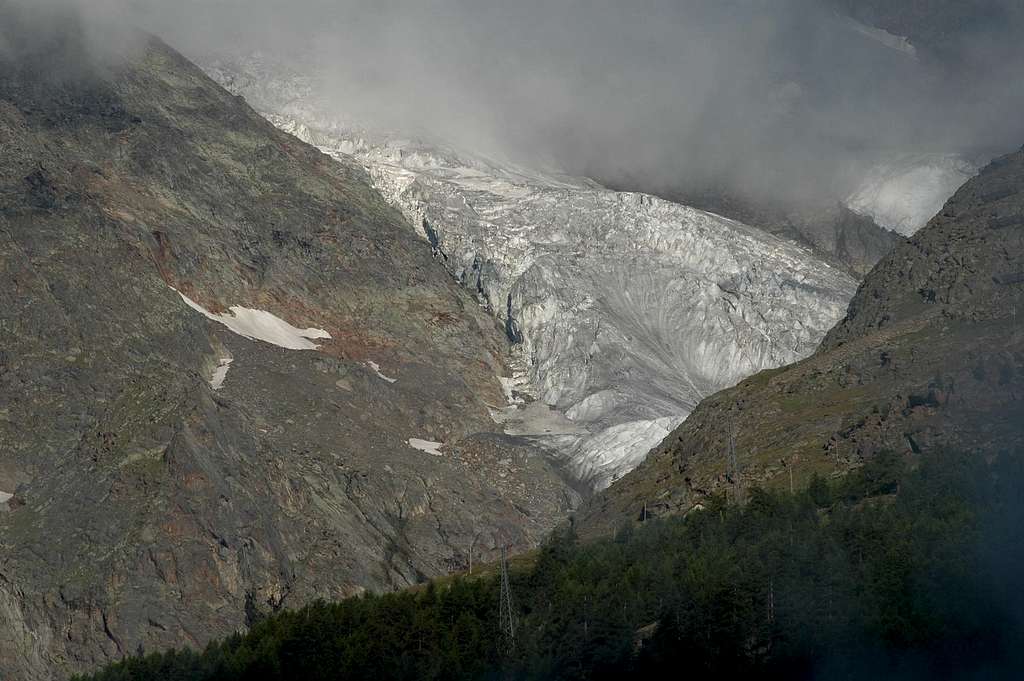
(625, 309)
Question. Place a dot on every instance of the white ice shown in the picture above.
(220, 373)
(5, 497)
(905, 192)
(261, 325)
(426, 446)
(376, 370)
(510, 384)
(613, 452)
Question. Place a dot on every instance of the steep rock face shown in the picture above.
(931, 354)
(626, 309)
(221, 353)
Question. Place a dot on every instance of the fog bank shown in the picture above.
(781, 97)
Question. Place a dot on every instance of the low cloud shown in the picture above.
(781, 98)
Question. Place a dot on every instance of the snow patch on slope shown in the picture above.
(220, 373)
(261, 325)
(903, 193)
(5, 497)
(426, 446)
(376, 369)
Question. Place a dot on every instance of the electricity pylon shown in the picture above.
(506, 611)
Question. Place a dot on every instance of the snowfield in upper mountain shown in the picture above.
(261, 325)
(905, 192)
(625, 310)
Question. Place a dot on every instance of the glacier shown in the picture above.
(625, 310)
(903, 192)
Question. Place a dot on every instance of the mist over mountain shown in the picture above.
(792, 98)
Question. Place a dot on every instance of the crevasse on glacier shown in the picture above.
(626, 310)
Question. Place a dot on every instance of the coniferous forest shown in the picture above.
(896, 571)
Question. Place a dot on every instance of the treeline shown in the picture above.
(892, 572)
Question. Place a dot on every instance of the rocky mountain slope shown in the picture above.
(231, 378)
(930, 355)
(626, 309)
